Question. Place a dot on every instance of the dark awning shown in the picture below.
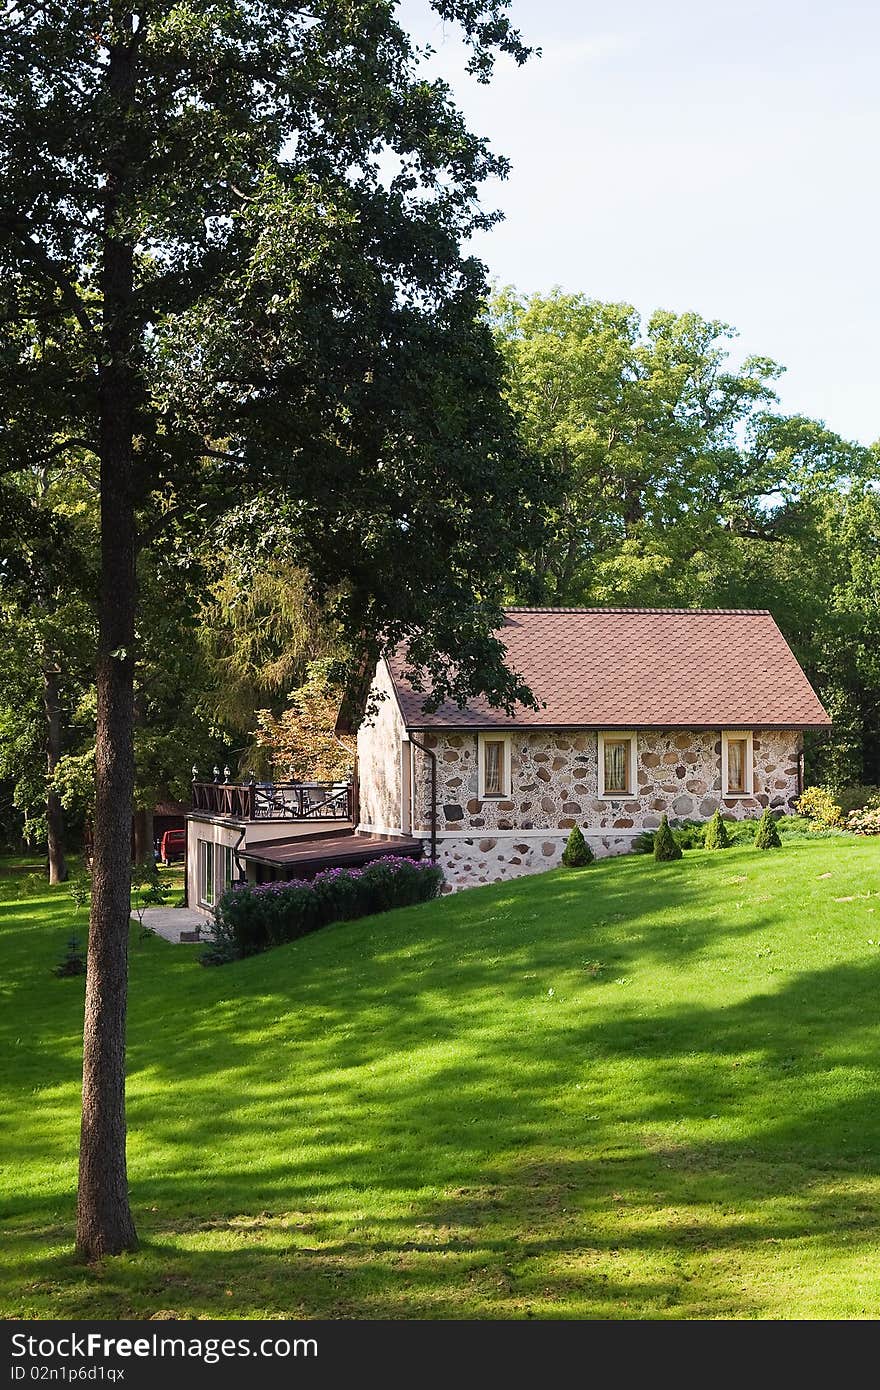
(303, 856)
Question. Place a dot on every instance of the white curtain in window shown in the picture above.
(493, 774)
(736, 764)
(615, 766)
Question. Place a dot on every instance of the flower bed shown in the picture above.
(864, 822)
(250, 918)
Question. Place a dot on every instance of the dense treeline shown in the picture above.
(671, 477)
(680, 482)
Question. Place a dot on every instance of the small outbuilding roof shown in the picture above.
(621, 668)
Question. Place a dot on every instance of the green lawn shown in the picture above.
(636, 1090)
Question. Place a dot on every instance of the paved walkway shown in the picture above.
(171, 921)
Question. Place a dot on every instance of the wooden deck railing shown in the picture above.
(324, 801)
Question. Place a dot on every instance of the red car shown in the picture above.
(172, 847)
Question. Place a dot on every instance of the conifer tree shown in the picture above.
(577, 852)
(767, 836)
(716, 833)
(666, 846)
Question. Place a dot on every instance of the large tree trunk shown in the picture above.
(104, 1221)
(143, 836)
(54, 809)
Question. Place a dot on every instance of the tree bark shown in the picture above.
(633, 505)
(104, 1222)
(54, 809)
(143, 836)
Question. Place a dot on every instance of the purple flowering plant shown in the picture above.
(252, 917)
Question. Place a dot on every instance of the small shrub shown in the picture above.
(222, 948)
(340, 894)
(30, 885)
(148, 890)
(741, 832)
(79, 887)
(577, 853)
(865, 822)
(665, 847)
(73, 962)
(796, 828)
(820, 805)
(716, 836)
(767, 836)
(688, 834)
(859, 797)
(378, 887)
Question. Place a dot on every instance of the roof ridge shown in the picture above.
(692, 612)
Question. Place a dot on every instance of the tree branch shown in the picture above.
(49, 454)
(32, 251)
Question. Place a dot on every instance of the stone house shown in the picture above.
(642, 711)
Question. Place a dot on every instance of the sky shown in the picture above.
(696, 155)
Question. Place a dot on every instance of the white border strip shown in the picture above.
(487, 833)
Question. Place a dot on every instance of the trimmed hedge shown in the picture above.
(250, 918)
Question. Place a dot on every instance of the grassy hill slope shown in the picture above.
(635, 1090)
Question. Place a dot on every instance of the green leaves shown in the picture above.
(304, 332)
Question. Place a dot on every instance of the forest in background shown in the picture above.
(667, 477)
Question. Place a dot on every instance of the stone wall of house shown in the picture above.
(379, 759)
(554, 786)
(471, 860)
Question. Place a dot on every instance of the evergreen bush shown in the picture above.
(688, 834)
(73, 962)
(665, 846)
(767, 836)
(716, 836)
(577, 853)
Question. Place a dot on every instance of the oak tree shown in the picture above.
(230, 253)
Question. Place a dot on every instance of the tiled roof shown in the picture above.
(640, 668)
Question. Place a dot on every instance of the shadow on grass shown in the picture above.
(446, 1114)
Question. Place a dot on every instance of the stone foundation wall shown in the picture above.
(467, 863)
